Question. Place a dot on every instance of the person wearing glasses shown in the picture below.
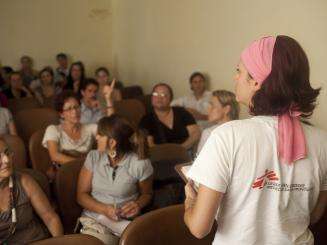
(169, 124)
(223, 108)
(72, 139)
(22, 200)
(116, 179)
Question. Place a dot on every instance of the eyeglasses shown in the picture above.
(69, 109)
(162, 95)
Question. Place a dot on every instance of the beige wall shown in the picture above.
(42, 28)
(147, 41)
(165, 40)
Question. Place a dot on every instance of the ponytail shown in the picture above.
(140, 144)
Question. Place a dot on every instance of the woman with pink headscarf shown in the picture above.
(263, 179)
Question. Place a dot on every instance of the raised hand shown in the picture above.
(107, 91)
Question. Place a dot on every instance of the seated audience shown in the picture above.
(166, 124)
(21, 201)
(44, 87)
(71, 139)
(16, 88)
(116, 179)
(75, 77)
(7, 125)
(27, 72)
(102, 76)
(263, 179)
(198, 101)
(6, 71)
(90, 105)
(223, 108)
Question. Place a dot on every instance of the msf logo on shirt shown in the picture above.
(261, 181)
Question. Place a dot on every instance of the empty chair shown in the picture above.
(70, 240)
(15, 105)
(39, 155)
(16, 145)
(168, 186)
(132, 109)
(162, 227)
(65, 192)
(29, 121)
(132, 92)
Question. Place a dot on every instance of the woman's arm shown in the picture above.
(201, 209)
(41, 205)
(319, 210)
(194, 136)
(150, 140)
(107, 92)
(57, 156)
(133, 208)
(12, 128)
(84, 187)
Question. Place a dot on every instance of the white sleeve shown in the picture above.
(178, 102)
(51, 133)
(93, 129)
(204, 137)
(212, 168)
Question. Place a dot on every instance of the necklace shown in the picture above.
(12, 227)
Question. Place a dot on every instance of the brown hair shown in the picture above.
(61, 99)
(228, 98)
(287, 86)
(127, 137)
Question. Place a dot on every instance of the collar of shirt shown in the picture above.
(205, 96)
(106, 161)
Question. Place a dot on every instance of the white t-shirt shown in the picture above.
(5, 120)
(200, 105)
(204, 137)
(265, 202)
(83, 145)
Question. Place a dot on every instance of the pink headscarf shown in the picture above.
(257, 58)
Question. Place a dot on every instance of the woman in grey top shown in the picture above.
(116, 174)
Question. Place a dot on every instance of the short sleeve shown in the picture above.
(8, 116)
(91, 159)
(187, 117)
(92, 128)
(177, 102)
(142, 169)
(51, 133)
(212, 167)
(145, 124)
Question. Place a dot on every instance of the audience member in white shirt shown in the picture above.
(223, 108)
(197, 102)
(263, 179)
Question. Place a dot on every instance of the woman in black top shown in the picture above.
(76, 77)
(16, 88)
(166, 124)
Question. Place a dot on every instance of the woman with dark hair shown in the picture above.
(16, 89)
(44, 87)
(76, 77)
(167, 124)
(116, 180)
(21, 199)
(263, 179)
(71, 139)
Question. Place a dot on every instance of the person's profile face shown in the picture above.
(244, 87)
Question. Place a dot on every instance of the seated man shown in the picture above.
(90, 106)
(196, 103)
(166, 124)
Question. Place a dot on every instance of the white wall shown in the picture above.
(166, 40)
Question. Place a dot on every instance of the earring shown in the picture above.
(112, 154)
